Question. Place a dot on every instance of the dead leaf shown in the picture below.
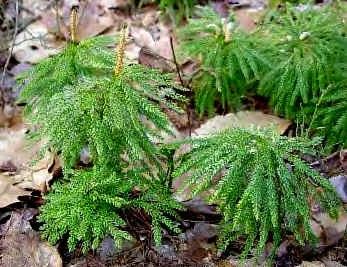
(94, 17)
(7, 166)
(39, 176)
(334, 164)
(9, 193)
(158, 39)
(248, 18)
(36, 7)
(35, 43)
(13, 147)
(17, 155)
(328, 230)
(150, 59)
(10, 115)
(21, 246)
(243, 119)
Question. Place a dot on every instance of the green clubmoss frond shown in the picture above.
(88, 58)
(309, 46)
(265, 187)
(87, 207)
(229, 60)
(177, 10)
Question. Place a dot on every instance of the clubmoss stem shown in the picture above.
(73, 23)
(120, 49)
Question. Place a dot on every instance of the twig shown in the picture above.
(182, 83)
(11, 49)
(57, 16)
(175, 61)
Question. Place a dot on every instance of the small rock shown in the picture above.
(20, 245)
(167, 252)
(246, 263)
(85, 156)
(329, 263)
(311, 264)
(340, 184)
(201, 232)
(107, 249)
(19, 68)
(243, 119)
(197, 205)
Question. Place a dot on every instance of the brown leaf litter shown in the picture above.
(20, 245)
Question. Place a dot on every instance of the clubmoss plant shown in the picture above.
(264, 189)
(229, 60)
(177, 10)
(329, 118)
(309, 50)
(87, 58)
(108, 115)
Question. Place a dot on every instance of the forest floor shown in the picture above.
(34, 30)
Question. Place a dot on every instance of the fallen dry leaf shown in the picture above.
(150, 59)
(243, 119)
(328, 230)
(21, 245)
(36, 7)
(94, 17)
(35, 43)
(334, 164)
(10, 115)
(248, 18)
(158, 39)
(14, 148)
(38, 176)
(16, 159)
(9, 193)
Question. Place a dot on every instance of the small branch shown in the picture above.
(182, 83)
(57, 16)
(175, 61)
(11, 48)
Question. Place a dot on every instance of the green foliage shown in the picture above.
(330, 116)
(87, 207)
(308, 49)
(177, 10)
(88, 58)
(264, 186)
(273, 4)
(106, 115)
(115, 116)
(229, 60)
